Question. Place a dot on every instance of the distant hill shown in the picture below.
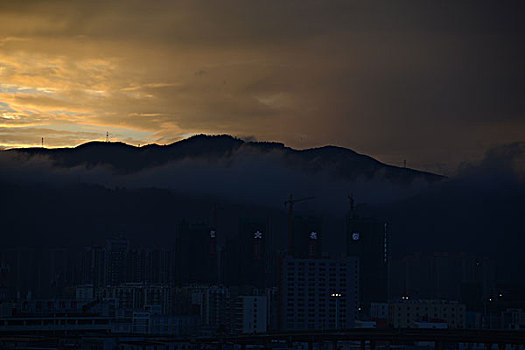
(123, 158)
(98, 188)
(77, 195)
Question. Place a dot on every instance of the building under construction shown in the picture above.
(367, 239)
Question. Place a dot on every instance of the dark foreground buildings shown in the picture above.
(207, 283)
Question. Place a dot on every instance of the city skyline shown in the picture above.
(243, 174)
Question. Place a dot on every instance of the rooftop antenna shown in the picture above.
(42, 142)
(107, 136)
(405, 163)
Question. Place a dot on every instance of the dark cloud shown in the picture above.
(478, 211)
(431, 82)
(501, 169)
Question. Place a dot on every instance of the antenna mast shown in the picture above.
(107, 136)
(42, 142)
(351, 199)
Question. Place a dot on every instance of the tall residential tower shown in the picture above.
(367, 239)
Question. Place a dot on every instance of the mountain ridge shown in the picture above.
(124, 158)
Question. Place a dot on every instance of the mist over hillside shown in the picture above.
(83, 194)
(247, 172)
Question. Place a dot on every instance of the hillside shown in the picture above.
(123, 158)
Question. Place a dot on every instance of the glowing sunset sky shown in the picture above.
(434, 82)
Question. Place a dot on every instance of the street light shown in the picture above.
(336, 296)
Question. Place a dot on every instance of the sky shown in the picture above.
(434, 82)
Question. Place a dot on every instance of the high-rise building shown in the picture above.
(159, 266)
(136, 296)
(251, 314)
(23, 271)
(4, 272)
(194, 261)
(247, 259)
(116, 252)
(136, 265)
(214, 306)
(41, 271)
(307, 232)
(318, 293)
(116, 263)
(93, 266)
(406, 313)
(367, 239)
(84, 292)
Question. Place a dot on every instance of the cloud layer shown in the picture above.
(247, 175)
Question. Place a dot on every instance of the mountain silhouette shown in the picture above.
(123, 158)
